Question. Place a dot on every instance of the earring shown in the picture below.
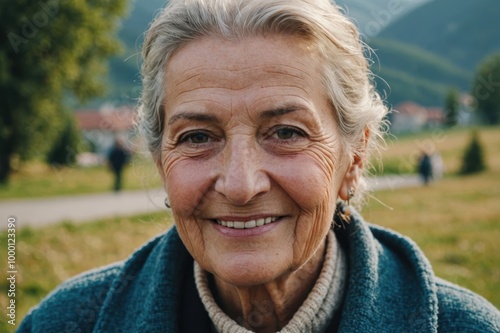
(167, 204)
(350, 194)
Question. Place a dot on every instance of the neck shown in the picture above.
(270, 306)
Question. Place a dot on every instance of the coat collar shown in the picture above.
(391, 284)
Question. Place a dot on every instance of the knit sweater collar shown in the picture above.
(315, 313)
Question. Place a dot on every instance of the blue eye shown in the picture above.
(288, 133)
(195, 137)
(285, 133)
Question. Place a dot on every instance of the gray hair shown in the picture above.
(346, 76)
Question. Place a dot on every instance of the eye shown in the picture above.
(285, 133)
(196, 137)
(288, 133)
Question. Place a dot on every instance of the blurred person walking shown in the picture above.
(425, 167)
(118, 157)
(437, 166)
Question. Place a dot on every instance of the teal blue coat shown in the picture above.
(391, 288)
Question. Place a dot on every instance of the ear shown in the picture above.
(351, 177)
(354, 171)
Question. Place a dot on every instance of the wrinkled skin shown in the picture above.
(250, 133)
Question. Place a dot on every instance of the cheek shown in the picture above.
(312, 180)
(309, 178)
(186, 183)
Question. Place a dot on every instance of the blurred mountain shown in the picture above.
(406, 72)
(422, 47)
(372, 16)
(462, 31)
(124, 77)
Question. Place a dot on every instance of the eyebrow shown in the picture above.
(279, 111)
(193, 116)
(211, 118)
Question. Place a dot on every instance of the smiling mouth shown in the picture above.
(247, 224)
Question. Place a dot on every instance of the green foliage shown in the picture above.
(473, 159)
(486, 90)
(66, 147)
(452, 107)
(50, 50)
(90, 145)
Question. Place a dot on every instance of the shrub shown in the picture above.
(65, 148)
(473, 159)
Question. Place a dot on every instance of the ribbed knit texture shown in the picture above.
(314, 314)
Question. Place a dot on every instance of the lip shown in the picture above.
(256, 231)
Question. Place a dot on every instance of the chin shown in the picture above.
(247, 273)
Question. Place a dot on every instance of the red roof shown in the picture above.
(435, 114)
(115, 120)
(410, 108)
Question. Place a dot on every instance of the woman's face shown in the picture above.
(251, 156)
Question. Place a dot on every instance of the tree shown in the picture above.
(65, 148)
(452, 107)
(473, 159)
(51, 51)
(486, 89)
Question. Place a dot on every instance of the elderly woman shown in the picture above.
(260, 116)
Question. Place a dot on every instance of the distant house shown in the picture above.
(100, 127)
(411, 117)
(435, 117)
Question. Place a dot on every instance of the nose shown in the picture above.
(242, 177)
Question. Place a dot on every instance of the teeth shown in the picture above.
(248, 224)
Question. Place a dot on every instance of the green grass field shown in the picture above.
(457, 224)
(40, 180)
(402, 153)
(455, 221)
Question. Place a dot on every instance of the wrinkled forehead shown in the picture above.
(217, 62)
